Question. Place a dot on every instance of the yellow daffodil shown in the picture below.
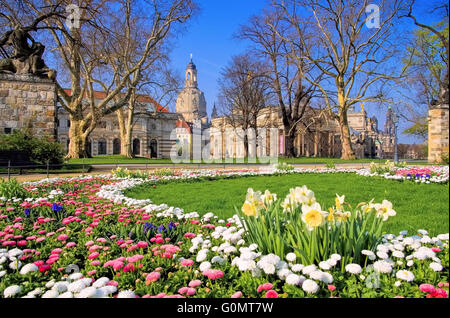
(384, 210)
(313, 215)
(249, 209)
(339, 201)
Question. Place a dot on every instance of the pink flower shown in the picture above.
(92, 272)
(129, 268)
(95, 263)
(153, 276)
(436, 249)
(187, 262)
(142, 244)
(195, 283)
(190, 291)
(71, 244)
(427, 288)
(159, 240)
(63, 237)
(265, 286)
(271, 294)
(93, 255)
(213, 273)
(237, 295)
(183, 290)
(331, 287)
(189, 235)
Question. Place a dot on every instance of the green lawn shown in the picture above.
(418, 206)
(117, 159)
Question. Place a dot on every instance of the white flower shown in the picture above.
(204, 266)
(398, 254)
(269, 268)
(382, 254)
(410, 263)
(382, 267)
(100, 282)
(66, 295)
(327, 278)
(15, 252)
(297, 268)
(293, 279)
(332, 262)
(423, 232)
(291, 257)
(397, 283)
(11, 291)
(283, 273)
(90, 292)
(16, 264)
(336, 257)
(436, 267)
(28, 268)
(324, 265)
(353, 268)
(405, 275)
(403, 233)
(309, 269)
(369, 254)
(50, 284)
(76, 286)
(218, 259)
(253, 246)
(107, 290)
(75, 276)
(310, 286)
(50, 294)
(126, 294)
(60, 287)
(316, 275)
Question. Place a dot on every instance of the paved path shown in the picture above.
(106, 168)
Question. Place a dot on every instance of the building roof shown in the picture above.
(140, 98)
(183, 124)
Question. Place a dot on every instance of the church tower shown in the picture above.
(191, 103)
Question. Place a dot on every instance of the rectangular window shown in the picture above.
(7, 130)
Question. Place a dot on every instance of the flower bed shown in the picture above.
(424, 174)
(82, 237)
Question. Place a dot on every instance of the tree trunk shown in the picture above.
(290, 146)
(346, 143)
(77, 143)
(125, 135)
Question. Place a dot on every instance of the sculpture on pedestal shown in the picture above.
(26, 58)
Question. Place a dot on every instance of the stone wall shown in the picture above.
(28, 101)
(438, 126)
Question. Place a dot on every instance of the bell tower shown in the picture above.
(191, 75)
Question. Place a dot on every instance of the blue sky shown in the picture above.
(209, 37)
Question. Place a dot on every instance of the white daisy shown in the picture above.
(310, 286)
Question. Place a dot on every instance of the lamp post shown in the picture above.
(395, 121)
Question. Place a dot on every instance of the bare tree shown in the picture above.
(269, 34)
(334, 38)
(86, 53)
(441, 33)
(243, 92)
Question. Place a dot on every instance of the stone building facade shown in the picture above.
(28, 102)
(151, 136)
(438, 138)
(317, 135)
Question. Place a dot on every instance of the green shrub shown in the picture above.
(39, 150)
(12, 189)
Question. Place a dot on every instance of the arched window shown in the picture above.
(188, 76)
(136, 147)
(102, 146)
(116, 146)
(153, 148)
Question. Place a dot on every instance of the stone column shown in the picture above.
(438, 138)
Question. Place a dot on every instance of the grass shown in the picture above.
(118, 159)
(418, 206)
(67, 168)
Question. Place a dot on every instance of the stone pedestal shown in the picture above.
(28, 102)
(438, 126)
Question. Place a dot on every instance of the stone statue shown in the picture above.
(26, 59)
